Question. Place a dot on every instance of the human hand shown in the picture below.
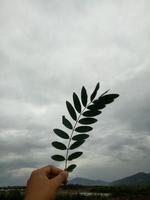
(40, 187)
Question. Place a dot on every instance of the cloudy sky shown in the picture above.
(51, 48)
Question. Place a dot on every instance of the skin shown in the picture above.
(41, 187)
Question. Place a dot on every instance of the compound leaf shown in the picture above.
(80, 137)
(82, 129)
(70, 168)
(59, 145)
(71, 110)
(84, 96)
(93, 110)
(58, 157)
(91, 113)
(76, 144)
(87, 120)
(66, 122)
(93, 95)
(75, 155)
(61, 133)
(77, 103)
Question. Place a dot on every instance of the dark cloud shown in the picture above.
(134, 107)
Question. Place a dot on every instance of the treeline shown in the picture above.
(72, 192)
(122, 190)
(13, 194)
(12, 187)
(110, 189)
(17, 195)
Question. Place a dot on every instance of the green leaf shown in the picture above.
(84, 96)
(91, 113)
(66, 122)
(93, 95)
(59, 145)
(58, 157)
(77, 103)
(61, 133)
(71, 110)
(75, 155)
(70, 168)
(82, 129)
(76, 144)
(80, 137)
(104, 93)
(108, 98)
(96, 106)
(87, 120)
(103, 100)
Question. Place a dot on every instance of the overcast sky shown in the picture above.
(51, 48)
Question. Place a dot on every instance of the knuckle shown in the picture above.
(51, 166)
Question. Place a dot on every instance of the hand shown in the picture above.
(40, 187)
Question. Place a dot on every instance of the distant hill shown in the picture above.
(87, 182)
(140, 178)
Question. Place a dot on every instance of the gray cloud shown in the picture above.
(48, 50)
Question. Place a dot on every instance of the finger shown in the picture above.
(28, 181)
(50, 170)
(60, 179)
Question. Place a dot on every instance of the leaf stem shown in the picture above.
(68, 146)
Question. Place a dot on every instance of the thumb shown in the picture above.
(60, 179)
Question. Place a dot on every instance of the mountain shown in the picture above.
(86, 182)
(140, 178)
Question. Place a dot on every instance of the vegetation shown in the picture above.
(15, 194)
(76, 192)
